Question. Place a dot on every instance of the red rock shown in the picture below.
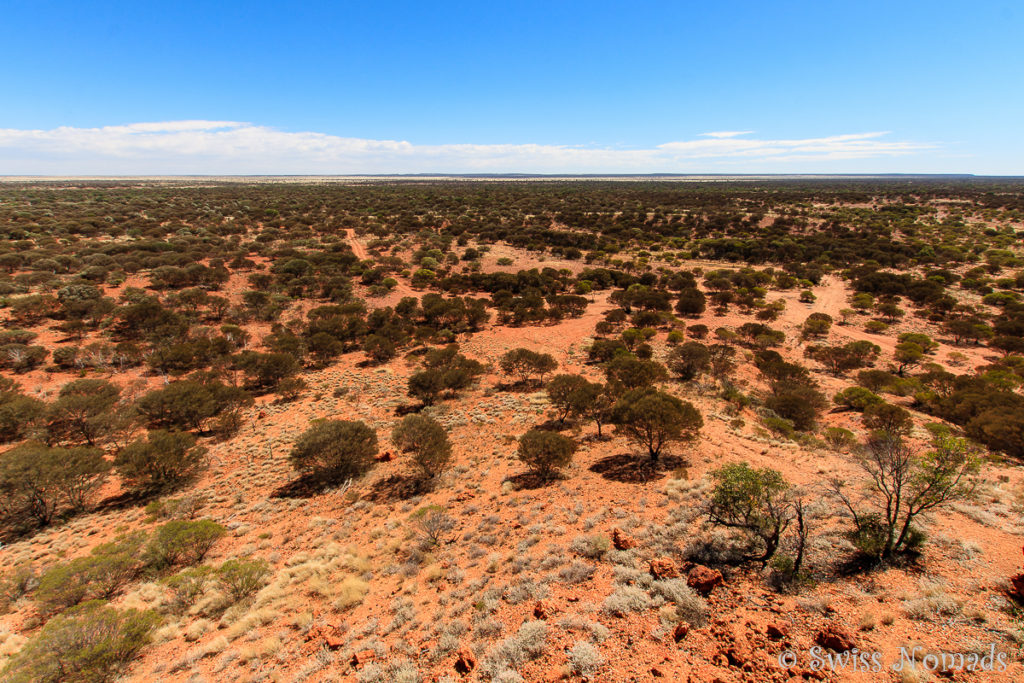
(465, 661)
(621, 540)
(834, 637)
(736, 656)
(776, 631)
(333, 643)
(664, 568)
(362, 657)
(1018, 587)
(540, 611)
(657, 673)
(703, 579)
(680, 631)
(385, 457)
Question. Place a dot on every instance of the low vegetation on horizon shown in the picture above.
(500, 431)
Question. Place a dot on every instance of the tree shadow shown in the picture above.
(305, 486)
(409, 408)
(521, 385)
(860, 563)
(553, 425)
(394, 488)
(633, 469)
(594, 438)
(530, 480)
(125, 500)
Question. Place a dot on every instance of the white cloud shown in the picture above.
(231, 147)
(727, 133)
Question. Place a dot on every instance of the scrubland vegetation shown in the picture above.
(507, 431)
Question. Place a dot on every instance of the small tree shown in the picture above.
(335, 450)
(902, 485)
(567, 394)
(524, 363)
(631, 373)
(799, 403)
(690, 360)
(816, 325)
(907, 355)
(887, 418)
(653, 419)
(162, 461)
(545, 452)
(80, 412)
(753, 502)
(428, 442)
(38, 481)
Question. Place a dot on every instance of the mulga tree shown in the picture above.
(653, 419)
(427, 441)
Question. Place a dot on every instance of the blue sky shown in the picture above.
(552, 87)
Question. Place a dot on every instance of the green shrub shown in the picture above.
(187, 586)
(871, 534)
(838, 438)
(182, 543)
(335, 450)
(189, 404)
(428, 442)
(19, 414)
(242, 578)
(857, 398)
(545, 452)
(89, 644)
(163, 460)
(99, 575)
(754, 503)
(779, 425)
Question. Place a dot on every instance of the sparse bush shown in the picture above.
(15, 584)
(902, 485)
(584, 659)
(591, 546)
(577, 572)
(433, 525)
(527, 644)
(188, 586)
(624, 600)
